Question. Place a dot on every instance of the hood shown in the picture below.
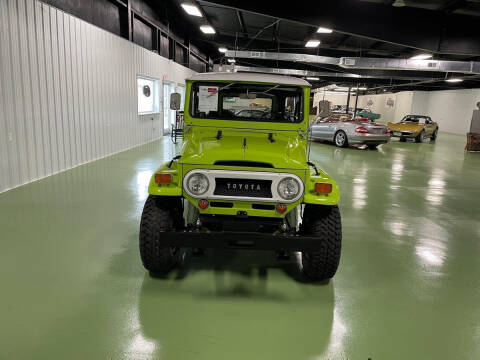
(281, 149)
(405, 126)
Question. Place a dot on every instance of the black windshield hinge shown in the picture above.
(313, 165)
(270, 137)
(171, 161)
(219, 134)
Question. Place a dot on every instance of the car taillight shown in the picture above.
(361, 130)
(387, 131)
(163, 178)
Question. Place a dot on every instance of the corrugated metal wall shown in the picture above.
(68, 92)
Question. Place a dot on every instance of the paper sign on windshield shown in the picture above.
(208, 98)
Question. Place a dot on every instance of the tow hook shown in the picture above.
(242, 214)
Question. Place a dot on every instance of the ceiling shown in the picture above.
(447, 29)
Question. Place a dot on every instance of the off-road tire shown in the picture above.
(434, 135)
(419, 137)
(338, 133)
(159, 214)
(372, 146)
(325, 223)
(403, 140)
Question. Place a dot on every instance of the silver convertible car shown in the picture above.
(343, 130)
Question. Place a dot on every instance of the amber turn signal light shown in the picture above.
(281, 208)
(323, 188)
(163, 178)
(203, 204)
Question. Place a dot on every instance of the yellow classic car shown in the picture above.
(415, 127)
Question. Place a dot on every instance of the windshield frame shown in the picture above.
(194, 88)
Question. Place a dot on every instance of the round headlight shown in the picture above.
(288, 188)
(198, 184)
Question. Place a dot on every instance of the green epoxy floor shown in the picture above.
(408, 286)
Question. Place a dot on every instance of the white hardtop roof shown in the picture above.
(249, 77)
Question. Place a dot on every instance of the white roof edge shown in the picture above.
(256, 77)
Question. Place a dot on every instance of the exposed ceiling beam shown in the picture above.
(376, 21)
(452, 5)
(241, 21)
(260, 33)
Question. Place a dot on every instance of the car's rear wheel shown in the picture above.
(434, 135)
(160, 214)
(403, 139)
(341, 139)
(323, 222)
(419, 137)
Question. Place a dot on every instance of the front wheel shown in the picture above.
(341, 139)
(323, 222)
(419, 137)
(159, 215)
(434, 135)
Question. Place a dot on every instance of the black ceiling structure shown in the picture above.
(160, 26)
(447, 29)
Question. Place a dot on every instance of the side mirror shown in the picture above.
(175, 101)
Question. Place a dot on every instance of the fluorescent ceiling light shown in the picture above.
(312, 43)
(454, 80)
(313, 78)
(207, 29)
(355, 75)
(324, 30)
(191, 9)
(231, 61)
(362, 88)
(399, 3)
(222, 49)
(421, 57)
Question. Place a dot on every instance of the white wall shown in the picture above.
(68, 92)
(452, 109)
(335, 99)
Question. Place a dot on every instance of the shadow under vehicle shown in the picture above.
(243, 182)
(416, 127)
(247, 297)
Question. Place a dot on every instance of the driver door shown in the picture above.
(322, 130)
(429, 127)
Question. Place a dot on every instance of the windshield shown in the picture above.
(414, 119)
(247, 102)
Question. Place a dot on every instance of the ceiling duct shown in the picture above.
(465, 67)
(263, 55)
(295, 72)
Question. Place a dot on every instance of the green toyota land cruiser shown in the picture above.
(243, 178)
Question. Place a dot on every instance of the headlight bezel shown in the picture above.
(296, 182)
(199, 175)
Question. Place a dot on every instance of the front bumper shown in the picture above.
(239, 240)
(368, 138)
(402, 134)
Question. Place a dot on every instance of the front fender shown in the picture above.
(311, 197)
(172, 189)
